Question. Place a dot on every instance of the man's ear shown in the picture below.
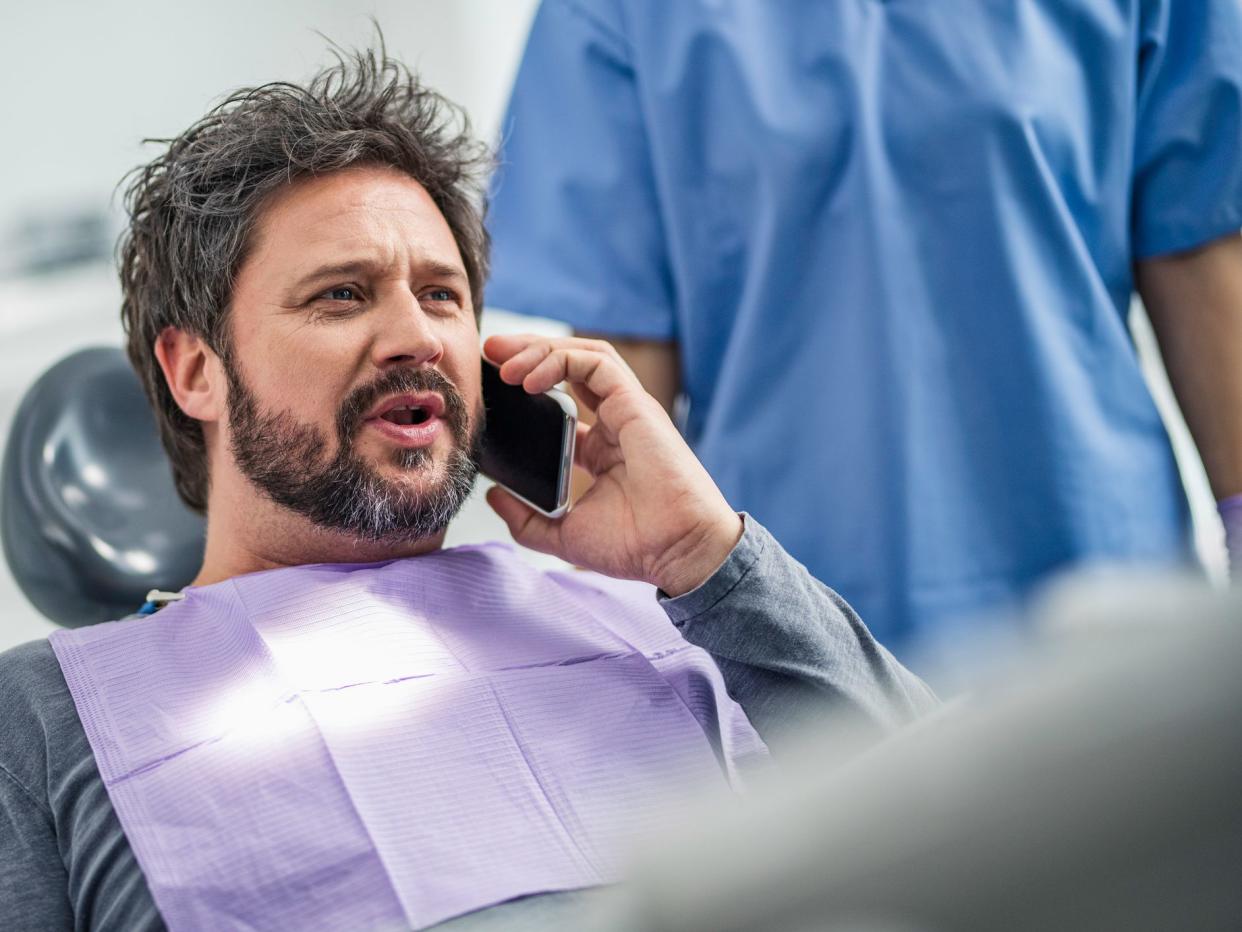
(193, 372)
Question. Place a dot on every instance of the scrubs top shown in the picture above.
(893, 241)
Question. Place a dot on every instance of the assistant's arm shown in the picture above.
(791, 650)
(1194, 300)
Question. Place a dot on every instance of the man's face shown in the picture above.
(354, 395)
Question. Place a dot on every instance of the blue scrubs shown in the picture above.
(893, 241)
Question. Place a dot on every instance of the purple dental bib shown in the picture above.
(389, 746)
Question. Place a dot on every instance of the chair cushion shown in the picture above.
(89, 516)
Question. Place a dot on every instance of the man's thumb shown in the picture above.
(528, 527)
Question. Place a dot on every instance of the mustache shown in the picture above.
(401, 381)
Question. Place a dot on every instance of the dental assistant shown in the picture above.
(885, 253)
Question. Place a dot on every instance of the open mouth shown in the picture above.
(409, 410)
(406, 415)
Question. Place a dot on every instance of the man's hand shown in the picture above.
(653, 512)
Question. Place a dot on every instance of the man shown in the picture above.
(339, 724)
(915, 227)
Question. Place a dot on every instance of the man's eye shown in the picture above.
(342, 293)
(440, 294)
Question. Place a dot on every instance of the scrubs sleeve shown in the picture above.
(1188, 145)
(574, 217)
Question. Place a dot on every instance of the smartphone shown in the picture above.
(528, 442)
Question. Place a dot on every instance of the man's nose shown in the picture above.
(405, 334)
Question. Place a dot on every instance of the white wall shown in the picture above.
(85, 82)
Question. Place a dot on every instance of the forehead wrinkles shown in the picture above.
(318, 229)
(361, 225)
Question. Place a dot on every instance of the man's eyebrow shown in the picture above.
(430, 268)
(443, 270)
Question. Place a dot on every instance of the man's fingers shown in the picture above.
(586, 398)
(504, 346)
(599, 372)
(581, 459)
(597, 375)
(522, 351)
(596, 450)
(522, 362)
(528, 527)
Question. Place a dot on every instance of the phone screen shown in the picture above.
(523, 441)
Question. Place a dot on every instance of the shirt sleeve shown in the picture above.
(65, 862)
(33, 880)
(790, 649)
(574, 216)
(1188, 134)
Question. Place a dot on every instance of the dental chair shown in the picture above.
(89, 517)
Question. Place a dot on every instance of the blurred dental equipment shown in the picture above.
(1093, 785)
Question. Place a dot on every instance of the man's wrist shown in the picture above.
(704, 553)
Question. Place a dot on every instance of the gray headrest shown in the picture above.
(89, 517)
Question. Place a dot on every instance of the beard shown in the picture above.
(284, 458)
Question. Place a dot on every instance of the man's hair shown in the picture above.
(193, 209)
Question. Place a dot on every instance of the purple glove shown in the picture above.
(1231, 513)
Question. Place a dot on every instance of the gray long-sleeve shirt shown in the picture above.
(787, 646)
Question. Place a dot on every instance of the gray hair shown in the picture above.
(193, 209)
